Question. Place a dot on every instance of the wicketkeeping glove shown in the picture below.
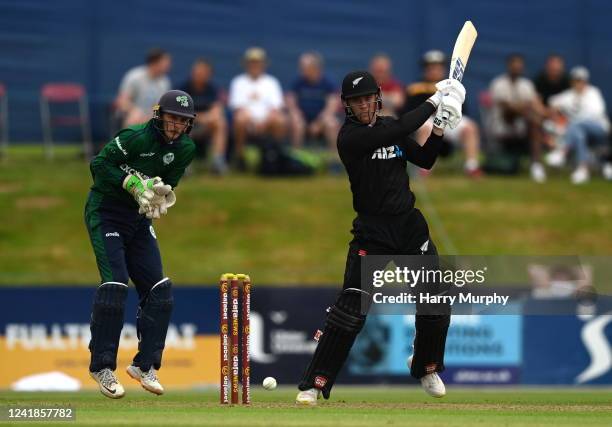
(163, 199)
(141, 190)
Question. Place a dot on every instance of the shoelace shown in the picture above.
(108, 378)
(150, 375)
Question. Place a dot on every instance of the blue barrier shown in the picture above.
(482, 349)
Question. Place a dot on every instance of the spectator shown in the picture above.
(560, 281)
(553, 79)
(585, 109)
(517, 114)
(210, 119)
(142, 86)
(312, 103)
(392, 90)
(256, 99)
(466, 134)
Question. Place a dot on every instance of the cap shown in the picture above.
(580, 73)
(433, 57)
(254, 54)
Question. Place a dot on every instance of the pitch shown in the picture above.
(350, 406)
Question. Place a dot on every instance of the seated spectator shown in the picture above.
(517, 114)
(210, 119)
(256, 99)
(392, 90)
(585, 109)
(467, 134)
(553, 79)
(142, 86)
(312, 103)
(560, 281)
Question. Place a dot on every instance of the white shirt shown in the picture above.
(258, 96)
(504, 89)
(143, 91)
(587, 105)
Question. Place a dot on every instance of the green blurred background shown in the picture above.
(284, 231)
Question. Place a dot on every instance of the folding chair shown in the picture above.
(3, 121)
(64, 93)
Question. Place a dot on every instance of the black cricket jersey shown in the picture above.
(376, 157)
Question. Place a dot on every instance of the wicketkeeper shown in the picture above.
(375, 150)
(134, 178)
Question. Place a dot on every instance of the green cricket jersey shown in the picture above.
(140, 148)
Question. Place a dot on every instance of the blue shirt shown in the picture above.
(204, 98)
(311, 97)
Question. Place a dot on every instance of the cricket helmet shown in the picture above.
(360, 83)
(174, 102)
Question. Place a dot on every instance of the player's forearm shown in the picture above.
(123, 102)
(368, 139)
(331, 104)
(414, 119)
(423, 156)
(106, 172)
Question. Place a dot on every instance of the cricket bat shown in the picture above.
(461, 51)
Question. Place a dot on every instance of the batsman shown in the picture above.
(375, 150)
(134, 178)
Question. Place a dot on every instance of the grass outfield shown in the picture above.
(350, 407)
(284, 230)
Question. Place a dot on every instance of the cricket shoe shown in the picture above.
(580, 176)
(308, 397)
(607, 171)
(556, 158)
(148, 379)
(432, 383)
(538, 174)
(109, 384)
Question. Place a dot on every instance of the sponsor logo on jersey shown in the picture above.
(168, 158)
(128, 169)
(147, 154)
(113, 234)
(386, 153)
(118, 142)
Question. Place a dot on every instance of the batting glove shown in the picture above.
(449, 112)
(452, 87)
